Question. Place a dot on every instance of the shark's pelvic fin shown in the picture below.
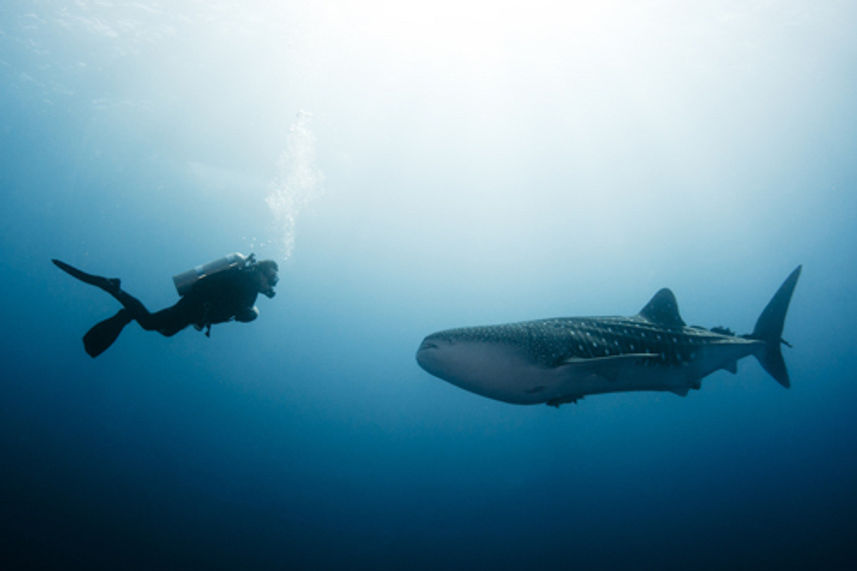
(563, 400)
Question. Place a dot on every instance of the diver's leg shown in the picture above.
(103, 334)
(147, 320)
(168, 321)
(134, 306)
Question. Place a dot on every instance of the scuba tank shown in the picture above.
(185, 280)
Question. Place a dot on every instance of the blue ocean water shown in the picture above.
(414, 168)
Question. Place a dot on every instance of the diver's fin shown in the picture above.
(110, 285)
(103, 334)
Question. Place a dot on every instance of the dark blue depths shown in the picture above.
(276, 445)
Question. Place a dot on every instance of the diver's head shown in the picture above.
(266, 272)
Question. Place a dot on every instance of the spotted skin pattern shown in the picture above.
(552, 342)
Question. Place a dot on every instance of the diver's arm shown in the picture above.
(247, 314)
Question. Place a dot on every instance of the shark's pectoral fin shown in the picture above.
(680, 391)
(609, 367)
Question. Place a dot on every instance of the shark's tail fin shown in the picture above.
(769, 328)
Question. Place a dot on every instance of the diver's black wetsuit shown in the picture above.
(217, 298)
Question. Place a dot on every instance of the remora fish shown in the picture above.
(560, 360)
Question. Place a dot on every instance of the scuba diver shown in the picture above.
(217, 292)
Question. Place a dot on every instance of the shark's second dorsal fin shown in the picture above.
(663, 310)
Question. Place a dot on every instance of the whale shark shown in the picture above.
(561, 360)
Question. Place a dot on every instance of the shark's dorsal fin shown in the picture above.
(663, 310)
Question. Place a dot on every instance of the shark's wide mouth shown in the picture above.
(426, 345)
(497, 370)
(427, 355)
